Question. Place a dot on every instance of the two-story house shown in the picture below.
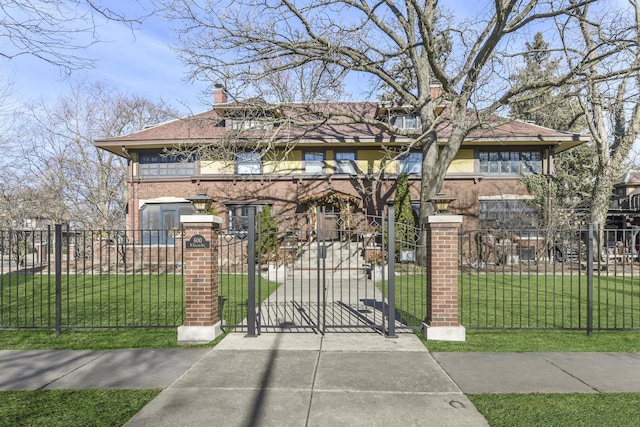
(251, 153)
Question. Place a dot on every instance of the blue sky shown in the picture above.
(139, 62)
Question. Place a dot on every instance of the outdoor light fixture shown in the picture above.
(201, 202)
(442, 203)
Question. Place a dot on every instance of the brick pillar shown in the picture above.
(201, 319)
(443, 242)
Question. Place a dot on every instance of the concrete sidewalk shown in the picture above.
(308, 379)
(543, 372)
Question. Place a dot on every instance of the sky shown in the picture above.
(140, 63)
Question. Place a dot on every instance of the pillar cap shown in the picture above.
(442, 219)
(209, 219)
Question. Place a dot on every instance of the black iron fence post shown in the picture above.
(590, 255)
(391, 331)
(58, 275)
(251, 260)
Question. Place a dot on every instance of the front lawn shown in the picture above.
(69, 408)
(552, 410)
(233, 309)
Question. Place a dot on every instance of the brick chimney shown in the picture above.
(435, 90)
(219, 94)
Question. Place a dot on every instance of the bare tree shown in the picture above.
(223, 41)
(610, 93)
(90, 183)
(56, 31)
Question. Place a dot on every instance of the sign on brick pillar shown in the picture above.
(201, 318)
(442, 250)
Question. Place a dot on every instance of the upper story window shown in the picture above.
(406, 121)
(510, 162)
(251, 123)
(410, 163)
(314, 162)
(248, 163)
(346, 162)
(157, 164)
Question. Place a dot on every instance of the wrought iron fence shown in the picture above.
(583, 279)
(64, 278)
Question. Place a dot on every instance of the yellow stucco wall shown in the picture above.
(216, 167)
(367, 161)
(463, 162)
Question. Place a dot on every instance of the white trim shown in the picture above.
(167, 199)
(442, 219)
(199, 218)
(507, 197)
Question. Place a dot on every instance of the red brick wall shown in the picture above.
(442, 274)
(201, 278)
(285, 193)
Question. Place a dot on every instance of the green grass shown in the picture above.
(70, 408)
(552, 410)
(535, 301)
(92, 300)
(233, 309)
(233, 289)
(540, 341)
(548, 301)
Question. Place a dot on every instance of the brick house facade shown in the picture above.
(303, 163)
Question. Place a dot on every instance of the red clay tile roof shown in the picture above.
(210, 125)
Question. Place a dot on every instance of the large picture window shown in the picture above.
(510, 162)
(158, 165)
(160, 221)
(508, 214)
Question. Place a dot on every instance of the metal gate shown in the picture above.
(310, 274)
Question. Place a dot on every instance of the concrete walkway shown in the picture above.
(304, 379)
(311, 380)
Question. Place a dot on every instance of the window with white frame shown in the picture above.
(406, 121)
(251, 123)
(346, 162)
(314, 162)
(410, 163)
(510, 162)
(248, 163)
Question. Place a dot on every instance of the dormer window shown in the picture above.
(251, 123)
(405, 121)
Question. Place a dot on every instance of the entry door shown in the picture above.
(330, 231)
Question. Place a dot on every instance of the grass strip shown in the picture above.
(540, 341)
(574, 409)
(70, 408)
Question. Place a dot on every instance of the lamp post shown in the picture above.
(201, 202)
(442, 203)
